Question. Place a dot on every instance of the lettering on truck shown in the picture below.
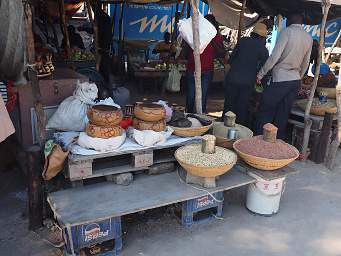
(153, 24)
(314, 30)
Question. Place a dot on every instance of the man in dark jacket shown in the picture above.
(247, 57)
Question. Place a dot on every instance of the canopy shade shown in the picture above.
(141, 1)
(227, 11)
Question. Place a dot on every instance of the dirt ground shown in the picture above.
(308, 223)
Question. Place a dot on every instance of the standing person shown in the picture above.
(164, 48)
(288, 62)
(247, 57)
(214, 49)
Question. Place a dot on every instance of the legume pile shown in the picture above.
(256, 146)
(191, 154)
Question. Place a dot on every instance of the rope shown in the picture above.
(200, 189)
(217, 217)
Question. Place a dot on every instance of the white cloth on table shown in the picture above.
(99, 144)
(66, 138)
(148, 138)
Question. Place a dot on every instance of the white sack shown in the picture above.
(71, 113)
(109, 102)
(173, 80)
(149, 138)
(206, 32)
(99, 144)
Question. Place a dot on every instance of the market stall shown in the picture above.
(153, 155)
(149, 155)
(157, 74)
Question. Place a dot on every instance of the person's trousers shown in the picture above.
(237, 100)
(206, 78)
(275, 106)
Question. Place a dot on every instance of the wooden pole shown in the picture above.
(279, 23)
(120, 40)
(188, 8)
(93, 21)
(66, 32)
(113, 21)
(35, 191)
(333, 46)
(34, 167)
(38, 105)
(32, 75)
(324, 139)
(240, 20)
(196, 53)
(330, 159)
(30, 50)
(307, 121)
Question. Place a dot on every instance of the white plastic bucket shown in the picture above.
(264, 196)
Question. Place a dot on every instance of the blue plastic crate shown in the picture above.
(194, 206)
(93, 233)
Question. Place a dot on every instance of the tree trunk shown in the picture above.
(38, 105)
(196, 53)
(34, 167)
(30, 50)
(113, 21)
(307, 120)
(32, 76)
(333, 46)
(240, 20)
(94, 24)
(120, 41)
(188, 8)
(35, 188)
(66, 32)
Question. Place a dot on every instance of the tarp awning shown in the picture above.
(227, 11)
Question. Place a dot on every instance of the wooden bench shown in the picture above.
(89, 215)
(319, 133)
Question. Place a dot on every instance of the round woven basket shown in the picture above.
(190, 131)
(330, 91)
(206, 172)
(319, 110)
(157, 126)
(96, 131)
(265, 164)
(149, 112)
(104, 115)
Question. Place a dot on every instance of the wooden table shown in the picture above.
(296, 119)
(268, 175)
(105, 200)
(92, 214)
(158, 76)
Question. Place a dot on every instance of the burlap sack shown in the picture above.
(54, 162)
